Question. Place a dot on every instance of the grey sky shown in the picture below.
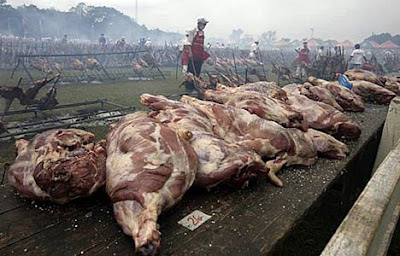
(333, 19)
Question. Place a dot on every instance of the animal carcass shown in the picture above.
(372, 92)
(58, 165)
(149, 168)
(219, 160)
(346, 98)
(360, 74)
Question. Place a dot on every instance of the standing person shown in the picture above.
(65, 39)
(102, 40)
(255, 51)
(147, 44)
(357, 58)
(194, 54)
(320, 53)
(302, 60)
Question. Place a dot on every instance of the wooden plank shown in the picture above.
(31, 218)
(391, 132)
(368, 227)
(244, 222)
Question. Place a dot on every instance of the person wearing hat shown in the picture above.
(255, 51)
(357, 58)
(102, 40)
(302, 60)
(194, 54)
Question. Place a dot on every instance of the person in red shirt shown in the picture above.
(194, 54)
(302, 60)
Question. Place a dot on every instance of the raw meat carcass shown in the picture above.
(360, 74)
(391, 83)
(92, 64)
(59, 165)
(219, 160)
(324, 117)
(267, 138)
(263, 106)
(322, 94)
(317, 93)
(270, 89)
(149, 168)
(346, 98)
(327, 145)
(372, 92)
(78, 65)
(137, 68)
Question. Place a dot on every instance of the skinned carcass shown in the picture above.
(324, 117)
(219, 160)
(267, 138)
(364, 75)
(391, 83)
(270, 89)
(92, 64)
(327, 146)
(372, 92)
(149, 168)
(316, 93)
(78, 65)
(263, 106)
(58, 165)
(346, 98)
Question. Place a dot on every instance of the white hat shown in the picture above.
(202, 20)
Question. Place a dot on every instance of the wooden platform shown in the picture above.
(244, 222)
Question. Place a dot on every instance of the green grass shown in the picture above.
(126, 93)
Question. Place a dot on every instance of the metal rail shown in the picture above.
(61, 122)
(35, 110)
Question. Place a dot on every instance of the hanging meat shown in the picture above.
(364, 75)
(149, 168)
(219, 160)
(263, 106)
(372, 92)
(346, 98)
(58, 165)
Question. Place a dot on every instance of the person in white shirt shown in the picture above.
(320, 53)
(147, 44)
(255, 51)
(357, 58)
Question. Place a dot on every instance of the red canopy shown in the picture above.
(374, 44)
(346, 44)
(388, 45)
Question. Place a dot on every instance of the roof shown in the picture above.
(346, 43)
(281, 43)
(388, 45)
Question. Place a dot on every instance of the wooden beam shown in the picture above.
(369, 226)
(391, 132)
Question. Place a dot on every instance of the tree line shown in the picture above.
(80, 22)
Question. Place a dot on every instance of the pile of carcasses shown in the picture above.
(150, 160)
